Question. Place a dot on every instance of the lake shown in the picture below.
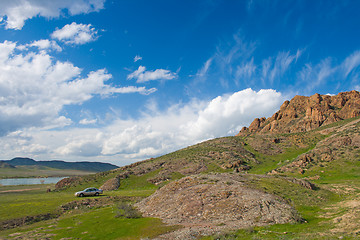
(29, 181)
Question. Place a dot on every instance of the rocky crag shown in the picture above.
(302, 114)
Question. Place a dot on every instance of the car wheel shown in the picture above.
(81, 195)
(97, 194)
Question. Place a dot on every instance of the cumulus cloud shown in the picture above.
(159, 132)
(141, 75)
(16, 12)
(75, 34)
(34, 88)
(154, 133)
(84, 146)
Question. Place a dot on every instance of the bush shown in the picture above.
(127, 211)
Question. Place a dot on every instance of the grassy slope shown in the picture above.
(311, 204)
(320, 207)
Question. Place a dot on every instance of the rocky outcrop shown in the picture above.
(66, 182)
(217, 201)
(307, 113)
(111, 184)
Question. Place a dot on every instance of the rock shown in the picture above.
(66, 182)
(304, 183)
(111, 184)
(216, 200)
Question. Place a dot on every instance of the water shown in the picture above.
(29, 181)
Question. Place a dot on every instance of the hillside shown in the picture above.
(293, 177)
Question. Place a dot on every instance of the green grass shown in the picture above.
(99, 223)
(102, 224)
(30, 203)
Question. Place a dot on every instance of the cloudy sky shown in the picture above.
(122, 81)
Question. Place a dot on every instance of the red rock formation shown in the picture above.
(307, 113)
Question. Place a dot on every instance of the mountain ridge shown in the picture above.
(59, 164)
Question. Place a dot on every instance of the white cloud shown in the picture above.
(281, 64)
(86, 121)
(137, 58)
(159, 132)
(141, 75)
(246, 70)
(46, 44)
(43, 44)
(18, 11)
(84, 146)
(154, 133)
(75, 34)
(34, 88)
(235, 62)
(201, 75)
(350, 63)
(313, 76)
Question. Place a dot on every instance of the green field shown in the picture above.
(96, 222)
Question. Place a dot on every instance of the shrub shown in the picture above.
(127, 211)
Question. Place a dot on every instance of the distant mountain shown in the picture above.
(5, 165)
(83, 166)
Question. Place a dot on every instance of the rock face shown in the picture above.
(66, 182)
(216, 200)
(307, 113)
(111, 184)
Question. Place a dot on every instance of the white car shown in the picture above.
(91, 191)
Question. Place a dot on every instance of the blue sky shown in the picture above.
(122, 81)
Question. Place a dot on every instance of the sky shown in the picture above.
(123, 81)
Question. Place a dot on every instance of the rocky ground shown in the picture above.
(206, 204)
